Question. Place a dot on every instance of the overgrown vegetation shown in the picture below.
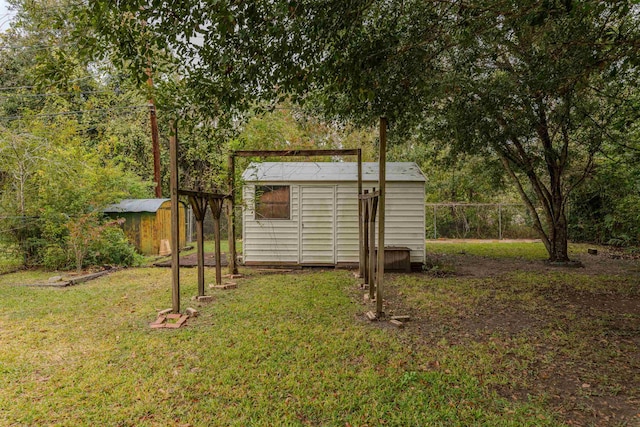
(478, 106)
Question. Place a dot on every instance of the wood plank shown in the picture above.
(360, 222)
(293, 153)
(231, 215)
(371, 195)
(396, 323)
(175, 226)
(382, 184)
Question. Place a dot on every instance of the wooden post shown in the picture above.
(363, 205)
(499, 221)
(216, 210)
(199, 205)
(175, 212)
(361, 263)
(200, 238)
(381, 213)
(155, 139)
(373, 208)
(233, 268)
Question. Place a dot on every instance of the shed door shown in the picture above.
(317, 225)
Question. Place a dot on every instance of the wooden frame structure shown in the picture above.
(368, 203)
(197, 199)
(199, 202)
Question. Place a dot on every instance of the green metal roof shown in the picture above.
(136, 205)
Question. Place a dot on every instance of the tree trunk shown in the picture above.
(553, 231)
(558, 237)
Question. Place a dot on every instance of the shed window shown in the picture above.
(273, 202)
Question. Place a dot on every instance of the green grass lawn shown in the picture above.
(523, 250)
(290, 349)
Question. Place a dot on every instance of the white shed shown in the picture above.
(306, 213)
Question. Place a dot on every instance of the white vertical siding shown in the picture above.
(317, 223)
(404, 219)
(282, 240)
(269, 240)
(347, 223)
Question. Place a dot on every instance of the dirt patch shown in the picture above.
(584, 338)
(477, 266)
(192, 261)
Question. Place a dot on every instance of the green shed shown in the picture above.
(148, 222)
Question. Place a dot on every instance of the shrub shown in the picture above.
(112, 247)
(55, 258)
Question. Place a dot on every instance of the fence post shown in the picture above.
(499, 221)
(435, 223)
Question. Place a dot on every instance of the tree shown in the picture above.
(535, 83)
(59, 153)
(543, 90)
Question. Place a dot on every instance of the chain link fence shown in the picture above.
(478, 221)
(208, 225)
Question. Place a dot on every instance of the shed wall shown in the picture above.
(280, 241)
(265, 241)
(162, 226)
(404, 219)
(145, 230)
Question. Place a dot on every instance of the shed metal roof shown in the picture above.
(136, 205)
(330, 171)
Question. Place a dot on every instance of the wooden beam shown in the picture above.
(293, 153)
(200, 253)
(364, 244)
(199, 205)
(216, 209)
(231, 215)
(360, 222)
(372, 204)
(175, 212)
(206, 195)
(371, 195)
(382, 183)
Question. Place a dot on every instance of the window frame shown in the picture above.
(256, 201)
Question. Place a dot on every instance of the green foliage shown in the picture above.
(55, 258)
(69, 137)
(113, 248)
(605, 210)
(531, 93)
(534, 92)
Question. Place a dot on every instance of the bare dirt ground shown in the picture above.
(585, 329)
(192, 260)
(605, 263)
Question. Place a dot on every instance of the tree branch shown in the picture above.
(532, 210)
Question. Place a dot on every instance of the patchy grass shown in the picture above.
(512, 249)
(564, 338)
(522, 345)
(279, 350)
